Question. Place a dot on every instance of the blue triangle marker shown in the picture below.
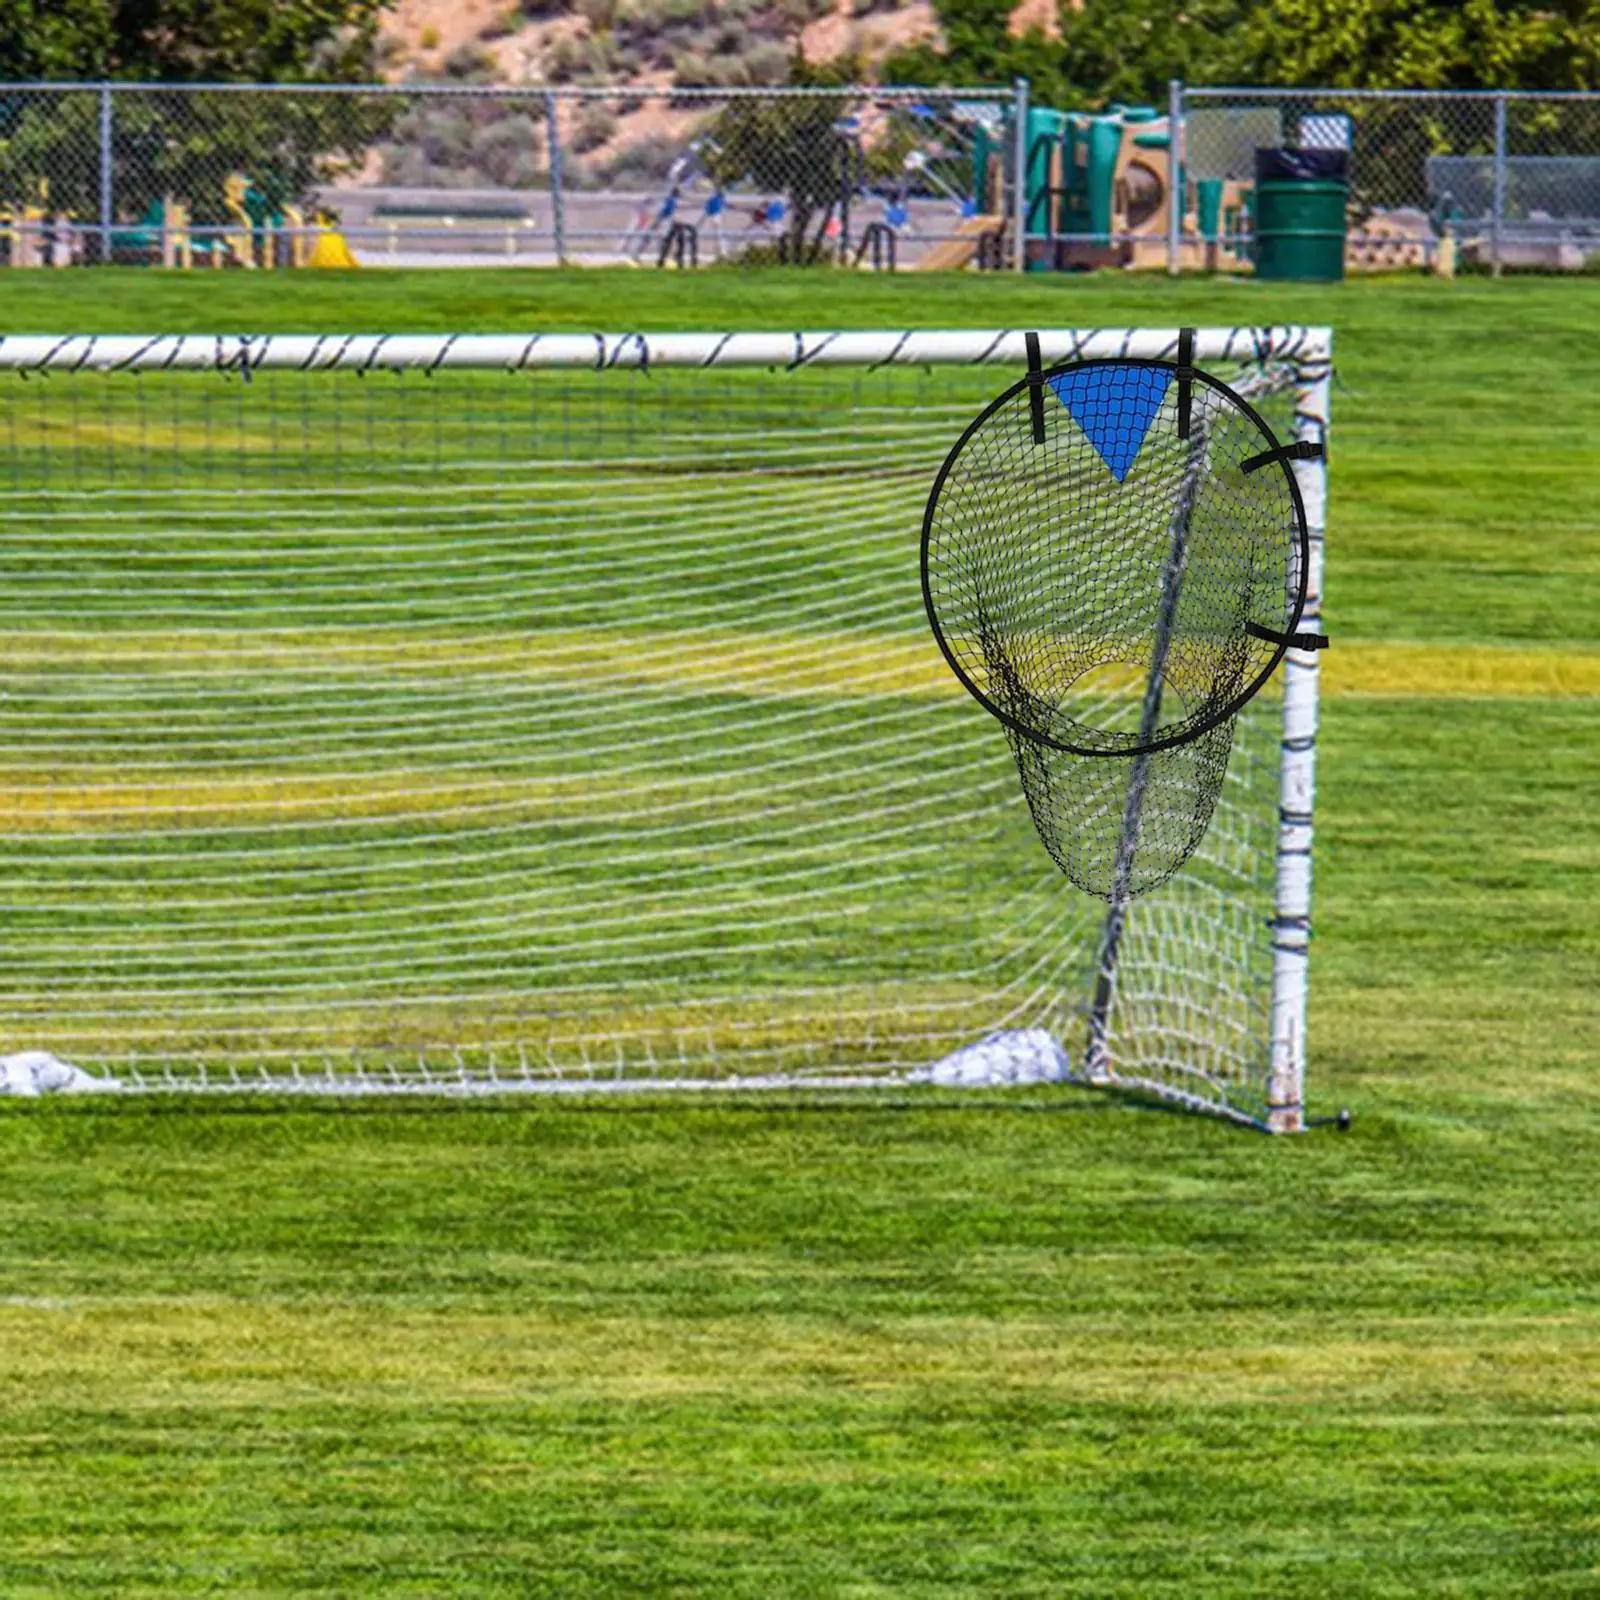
(1114, 405)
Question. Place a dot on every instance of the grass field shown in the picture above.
(887, 1351)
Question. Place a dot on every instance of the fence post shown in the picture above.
(558, 219)
(107, 199)
(1174, 174)
(1497, 215)
(1019, 185)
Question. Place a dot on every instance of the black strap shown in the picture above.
(1035, 387)
(1300, 450)
(1295, 641)
(1185, 378)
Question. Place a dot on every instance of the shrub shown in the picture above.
(603, 60)
(690, 70)
(446, 137)
(525, 171)
(694, 12)
(429, 38)
(797, 13)
(503, 23)
(767, 64)
(645, 162)
(594, 127)
(566, 58)
(672, 41)
(405, 166)
(469, 63)
(763, 63)
(505, 151)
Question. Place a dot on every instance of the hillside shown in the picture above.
(625, 142)
(644, 42)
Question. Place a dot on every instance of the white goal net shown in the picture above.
(561, 712)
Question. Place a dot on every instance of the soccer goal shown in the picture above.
(560, 713)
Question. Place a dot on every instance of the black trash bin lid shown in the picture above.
(1302, 166)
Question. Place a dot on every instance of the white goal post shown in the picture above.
(472, 713)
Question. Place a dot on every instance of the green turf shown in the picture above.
(874, 1351)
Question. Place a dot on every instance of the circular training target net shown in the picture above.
(1114, 560)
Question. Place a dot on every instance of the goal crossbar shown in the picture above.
(466, 352)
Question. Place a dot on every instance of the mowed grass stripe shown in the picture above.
(757, 663)
(209, 1351)
(493, 1030)
(844, 665)
(1429, 671)
(67, 793)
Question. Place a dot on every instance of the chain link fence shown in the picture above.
(1510, 179)
(477, 175)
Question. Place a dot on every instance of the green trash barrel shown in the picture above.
(1299, 214)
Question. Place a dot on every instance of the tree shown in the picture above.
(1427, 44)
(190, 41)
(1128, 49)
(183, 143)
(55, 39)
(1437, 44)
(1105, 50)
(978, 47)
(787, 147)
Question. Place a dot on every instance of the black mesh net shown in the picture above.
(1113, 559)
(1120, 828)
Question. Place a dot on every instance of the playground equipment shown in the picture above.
(1394, 241)
(658, 225)
(27, 236)
(1098, 196)
(955, 170)
(1550, 209)
(329, 249)
(979, 239)
(267, 235)
(167, 235)
(162, 236)
(893, 174)
(663, 227)
(33, 238)
(976, 236)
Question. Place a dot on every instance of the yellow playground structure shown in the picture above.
(32, 237)
(256, 235)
